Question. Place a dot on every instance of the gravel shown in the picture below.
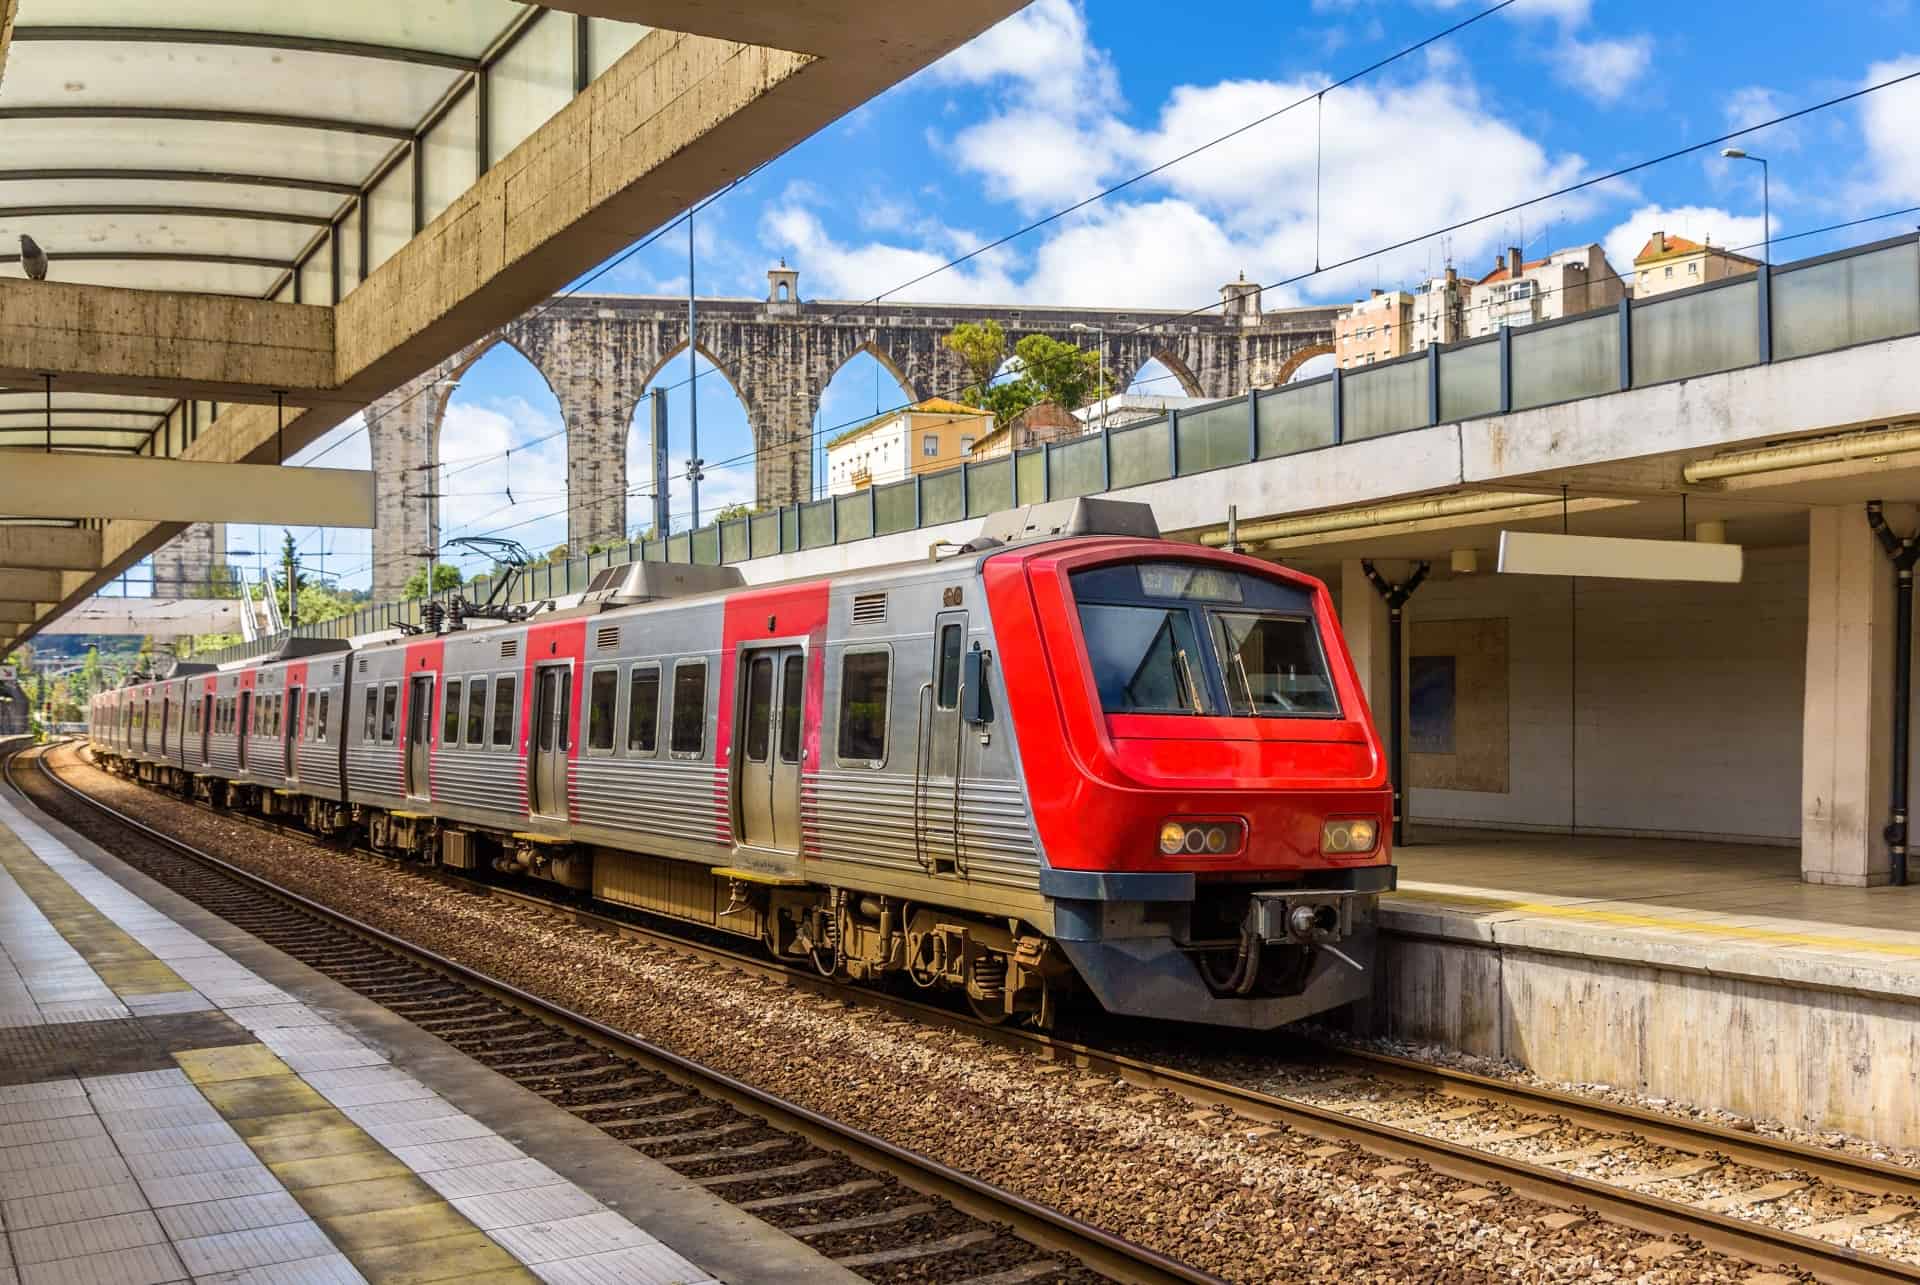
(1242, 1200)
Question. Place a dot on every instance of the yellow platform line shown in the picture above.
(127, 967)
(392, 1226)
(1666, 923)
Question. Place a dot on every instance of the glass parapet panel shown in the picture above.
(854, 519)
(1561, 362)
(789, 529)
(1030, 475)
(816, 524)
(1470, 380)
(1298, 417)
(1375, 400)
(763, 534)
(893, 507)
(706, 545)
(734, 541)
(1697, 333)
(680, 547)
(989, 487)
(940, 497)
(1073, 466)
(653, 551)
(1139, 454)
(1215, 436)
(1845, 301)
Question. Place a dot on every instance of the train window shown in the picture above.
(1272, 665)
(450, 720)
(689, 707)
(952, 639)
(372, 720)
(793, 687)
(320, 733)
(603, 705)
(1145, 659)
(193, 719)
(389, 712)
(863, 706)
(502, 712)
(643, 709)
(313, 699)
(477, 712)
(759, 708)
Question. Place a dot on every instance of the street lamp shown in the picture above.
(1766, 199)
(1081, 327)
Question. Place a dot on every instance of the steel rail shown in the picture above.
(1741, 1237)
(1101, 1250)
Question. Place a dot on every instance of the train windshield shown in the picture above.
(1192, 638)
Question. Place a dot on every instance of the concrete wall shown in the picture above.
(1685, 709)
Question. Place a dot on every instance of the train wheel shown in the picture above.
(992, 1011)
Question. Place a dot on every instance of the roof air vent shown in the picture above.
(870, 609)
(509, 648)
(363, 664)
(606, 636)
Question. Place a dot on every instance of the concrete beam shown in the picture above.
(46, 548)
(908, 33)
(163, 617)
(91, 486)
(30, 586)
(19, 613)
(163, 343)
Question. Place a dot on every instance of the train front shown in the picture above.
(1207, 784)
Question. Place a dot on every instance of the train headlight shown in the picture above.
(1201, 838)
(1350, 836)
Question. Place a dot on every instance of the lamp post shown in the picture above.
(1766, 197)
(1081, 327)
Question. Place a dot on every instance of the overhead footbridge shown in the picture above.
(257, 219)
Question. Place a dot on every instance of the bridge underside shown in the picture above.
(426, 184)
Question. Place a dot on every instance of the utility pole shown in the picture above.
(693, 391)
(292, 569)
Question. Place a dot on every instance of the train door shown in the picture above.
(552, 706)
(291, 734)
(166, 724)
(206, 728)
(243, 724)
(419, 734)
(768, 768)
(937, 780)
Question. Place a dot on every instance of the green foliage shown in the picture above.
(731, 512)
(444, 577)
(1049, 371)
(982, 345)
(558, 553)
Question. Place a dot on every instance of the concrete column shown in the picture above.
(598, 419)
(187, 565)
(403, 437)
(1849, 700)
(782, 426)
(1363, 619)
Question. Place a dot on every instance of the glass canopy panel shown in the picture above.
(466, 27)
(167, 274)
(390, 214)
(532, 82)
(265, 199)
(216, 146)
(17, 397)
(608, 40)
(205, 77)
(127, 439)
(63, 420)
(153, 233)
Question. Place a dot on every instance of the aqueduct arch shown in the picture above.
(597, 353)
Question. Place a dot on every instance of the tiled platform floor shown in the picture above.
(1736, 907)
(167, 1114)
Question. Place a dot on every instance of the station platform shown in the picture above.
(180, 1102)
(1704, 973)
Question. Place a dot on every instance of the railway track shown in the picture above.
(895, 1215)
(1471, 1127)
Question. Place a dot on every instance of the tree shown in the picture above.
(93, 678)
(444, 577)
(1064, 374)
(733, 511)
(982, 346)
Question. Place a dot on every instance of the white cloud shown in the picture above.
(478, 472)
(1045, 51)
(1603, 69)
(1694, 222)
(1887, 122)
(833, 270)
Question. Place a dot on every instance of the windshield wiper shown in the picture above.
(1184, 672)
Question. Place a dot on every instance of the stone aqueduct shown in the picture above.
(599, 352)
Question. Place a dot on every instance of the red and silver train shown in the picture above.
(1072, 755)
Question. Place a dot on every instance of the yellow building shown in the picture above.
(1674, 263)
(923, 438)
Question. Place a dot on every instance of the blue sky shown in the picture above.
(1070, 96)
